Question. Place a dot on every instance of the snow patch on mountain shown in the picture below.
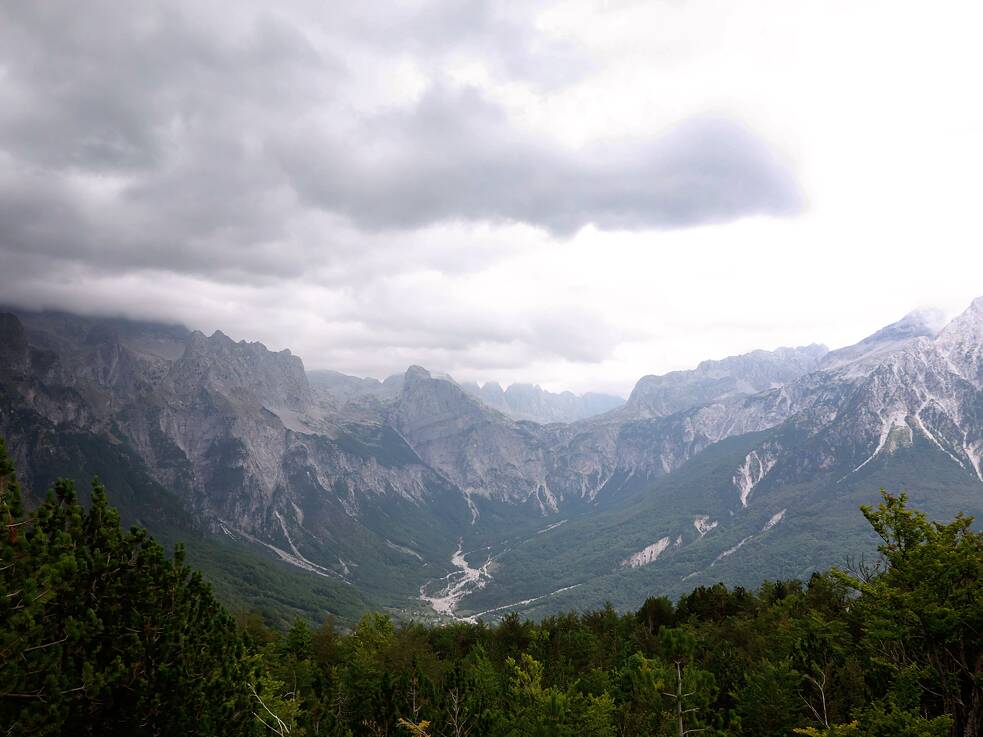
(974, 452)
(731, 550)
(290, 542)
(931, 436)
(295, 558)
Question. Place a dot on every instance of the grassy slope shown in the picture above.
(823, 526)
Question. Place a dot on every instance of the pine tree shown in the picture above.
(101, 633)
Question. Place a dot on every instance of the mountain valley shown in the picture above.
(303, 492)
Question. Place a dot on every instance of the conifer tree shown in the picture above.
(101, 633)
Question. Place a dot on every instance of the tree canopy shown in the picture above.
(102, 633)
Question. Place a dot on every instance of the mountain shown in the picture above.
(917, 324)
(334, 385)
(520, 401)
(234, 435)
(737, 376)
(532, 402)
(782, 501)
(430, 498)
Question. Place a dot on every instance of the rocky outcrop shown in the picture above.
(906, 381)
(241, 372)
(483, 452)
(214, 420)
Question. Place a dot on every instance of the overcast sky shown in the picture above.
(573, 193)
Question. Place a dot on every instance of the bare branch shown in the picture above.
(281, 729)
(47, 644)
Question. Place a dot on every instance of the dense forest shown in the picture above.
(101, 632)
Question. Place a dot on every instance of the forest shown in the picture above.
(102, 632)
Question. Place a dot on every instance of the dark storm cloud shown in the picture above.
(145, 135)
(455, 156)
(262, 168)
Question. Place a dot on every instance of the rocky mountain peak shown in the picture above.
(967, 327)
(924, 323)
(427, 393)
(961, 341)
(415, 374)
(528, 390)
(746, 374)
(242, 371)
(918, 323)
(492, 394)
(430, 412)
(533, 403)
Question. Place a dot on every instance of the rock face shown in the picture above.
(781, 474)
(241, 370)
(338, 389)
(484, 453)
(234, 430)
(375, 483)
(906, 381)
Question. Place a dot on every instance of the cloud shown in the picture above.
(503, 35)
(455, 156)
(319, 175)
(154, 135)
(377, 328)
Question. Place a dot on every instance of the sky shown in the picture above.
(573, 194)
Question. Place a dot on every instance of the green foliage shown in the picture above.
(102, 633)
(836, 730)
(923, 614)
(886, 719)
(882, 719)
(537, 711)
(770, 702)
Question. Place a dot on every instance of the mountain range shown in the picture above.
(303, 492)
